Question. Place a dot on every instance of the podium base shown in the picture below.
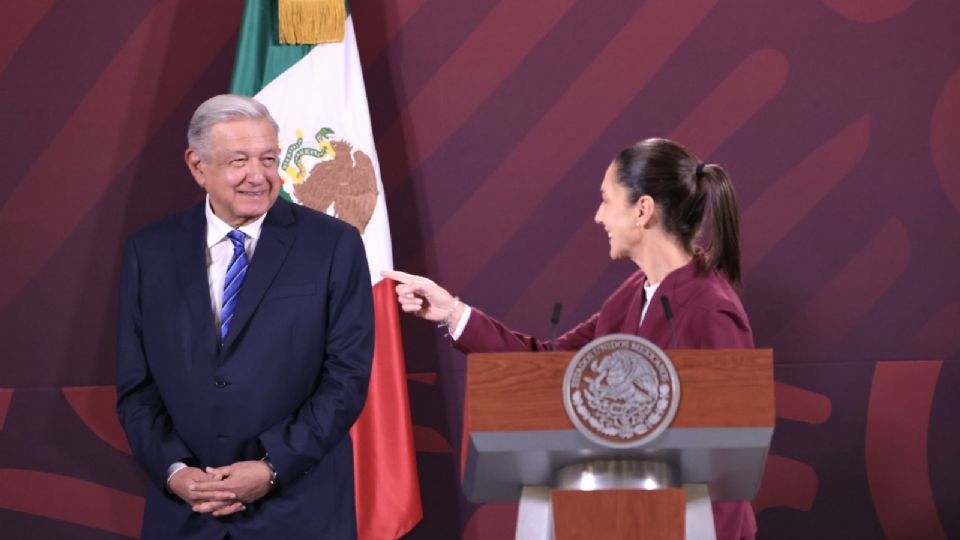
(535, 515)
(615, 514)
(698, 522)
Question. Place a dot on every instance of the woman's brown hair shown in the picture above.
(691, 197)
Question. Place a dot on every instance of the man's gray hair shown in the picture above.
(223, 108)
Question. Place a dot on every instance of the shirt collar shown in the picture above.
(217, 229)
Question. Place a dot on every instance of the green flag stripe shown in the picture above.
(260, 56)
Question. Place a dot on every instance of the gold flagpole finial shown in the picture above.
(312, 21)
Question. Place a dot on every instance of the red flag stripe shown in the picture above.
(385, 464)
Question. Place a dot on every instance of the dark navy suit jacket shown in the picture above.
(289, 380)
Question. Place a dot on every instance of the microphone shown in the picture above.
(555, 319)
(668, 313)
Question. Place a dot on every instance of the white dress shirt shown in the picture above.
(220, 251)
(648, 292)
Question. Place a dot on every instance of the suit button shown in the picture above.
(220, 382)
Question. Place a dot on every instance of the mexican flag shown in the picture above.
(329, 163)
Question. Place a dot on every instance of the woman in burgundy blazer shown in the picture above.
(657, 199)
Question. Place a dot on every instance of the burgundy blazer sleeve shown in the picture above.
(483, 333)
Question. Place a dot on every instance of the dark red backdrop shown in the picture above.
(494, 122)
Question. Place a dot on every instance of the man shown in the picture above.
(245, 339)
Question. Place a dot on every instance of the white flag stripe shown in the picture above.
(297, 102)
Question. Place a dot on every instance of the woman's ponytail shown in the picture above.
(723, 252)
(695, 201)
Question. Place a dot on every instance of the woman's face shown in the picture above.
(617, 216)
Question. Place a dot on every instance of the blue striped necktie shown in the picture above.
(236, 271)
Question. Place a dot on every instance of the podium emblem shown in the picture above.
(621, 391)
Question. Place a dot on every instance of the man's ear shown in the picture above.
(195, 164)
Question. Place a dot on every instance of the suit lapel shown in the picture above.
(272, 248)
(191, 254)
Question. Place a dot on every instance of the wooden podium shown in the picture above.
(517, 434)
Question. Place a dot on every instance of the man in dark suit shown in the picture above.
(245, 339)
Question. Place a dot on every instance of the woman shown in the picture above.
(658, 202)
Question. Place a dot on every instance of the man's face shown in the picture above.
(239, 170)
